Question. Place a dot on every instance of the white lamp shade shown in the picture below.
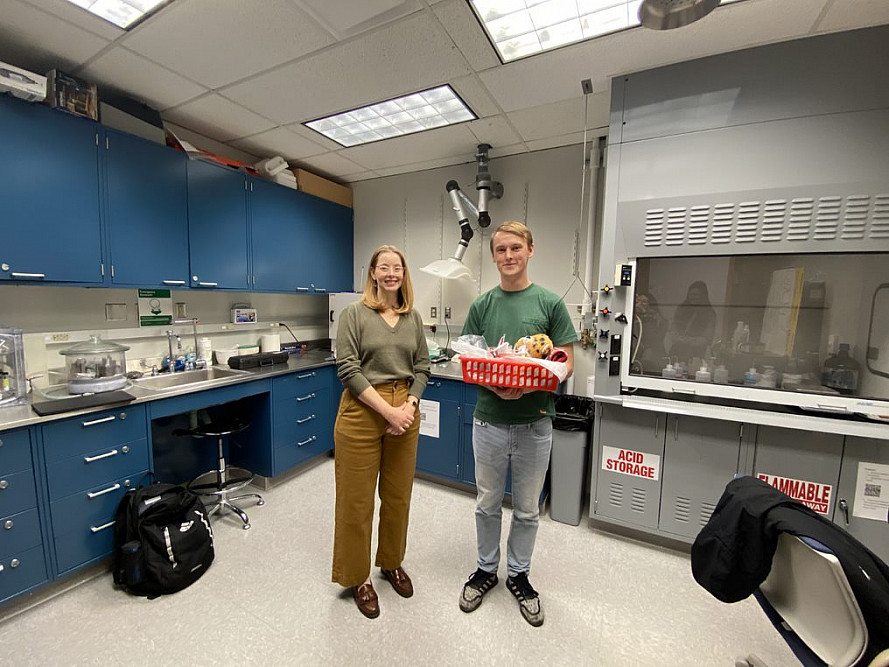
(449, 269)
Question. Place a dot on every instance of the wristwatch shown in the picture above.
(414, 402)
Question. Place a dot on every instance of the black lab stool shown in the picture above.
(224, 480)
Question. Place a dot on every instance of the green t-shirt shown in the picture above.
(515, 314)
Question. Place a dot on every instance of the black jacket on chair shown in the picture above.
(732, 555)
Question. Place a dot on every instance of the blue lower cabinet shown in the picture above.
(83, 523)
(95, 467)
(303, 427)
(21, 572)
(438, 449)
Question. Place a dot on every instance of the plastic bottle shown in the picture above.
(668, 371)
(738, 336)
(720, 375)
(702, 375)
(841, 371)
(751, 377)
(768, 378)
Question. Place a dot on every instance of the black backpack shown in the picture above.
(162, 540)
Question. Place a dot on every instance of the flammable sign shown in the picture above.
(813, 495)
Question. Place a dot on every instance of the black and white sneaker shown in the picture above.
(529, 600)
(479, 583)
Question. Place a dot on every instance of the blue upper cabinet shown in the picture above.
(49, 186)
(146, 212)
(330, 230)
(283, 249)
(217, 227)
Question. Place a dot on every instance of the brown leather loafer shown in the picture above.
(400, 581)
(366, 599)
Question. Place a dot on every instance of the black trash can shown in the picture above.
(568, 465)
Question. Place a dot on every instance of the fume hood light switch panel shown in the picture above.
(615, 344)
(625, 275)
(614, 366)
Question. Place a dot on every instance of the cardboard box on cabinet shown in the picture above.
(71, 94)
(321, 187)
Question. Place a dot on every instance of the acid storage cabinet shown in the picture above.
(571, 437)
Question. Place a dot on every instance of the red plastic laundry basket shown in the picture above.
(508, 373)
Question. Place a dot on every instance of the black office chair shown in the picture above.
(225, 479)
(824, 591)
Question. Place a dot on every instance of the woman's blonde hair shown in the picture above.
(405, 292)
(514, 227)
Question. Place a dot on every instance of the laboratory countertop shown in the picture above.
(22, 415)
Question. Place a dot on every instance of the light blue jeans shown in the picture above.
(525, 447)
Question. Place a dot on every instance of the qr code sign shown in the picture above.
(872, 490)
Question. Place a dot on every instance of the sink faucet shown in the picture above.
(193, 321)
(170, 336)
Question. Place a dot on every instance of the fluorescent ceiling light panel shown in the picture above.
(416, 112)
(521, 28)
(122, 13)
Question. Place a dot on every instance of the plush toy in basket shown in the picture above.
(533, 364)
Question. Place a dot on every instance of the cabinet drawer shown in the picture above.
(19, 532)
(17, 492)
(83, 545)
(295, 453)
(300, 383)
(92, 508)
(93, 431)
(21, 572)
(440, 390)
(15, 451)
(87, 470)
(293, 420)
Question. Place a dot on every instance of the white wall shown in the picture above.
(413, 212)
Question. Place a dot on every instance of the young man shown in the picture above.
(512, 426)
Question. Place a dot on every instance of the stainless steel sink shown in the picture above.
(170, 380)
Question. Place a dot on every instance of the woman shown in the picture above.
(694, 324)
(383, 363)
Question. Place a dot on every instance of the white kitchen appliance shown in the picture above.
(338, 301)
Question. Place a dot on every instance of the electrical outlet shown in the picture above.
(433, 312)
(59, 337)
(447, 312)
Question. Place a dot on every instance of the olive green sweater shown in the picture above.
(369, 351)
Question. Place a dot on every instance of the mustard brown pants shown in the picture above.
(365, 452)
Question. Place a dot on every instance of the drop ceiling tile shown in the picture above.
(443, 142)
(217, 117)
(563, 140)
(80, 17)
(410, 55)
(210, 145)
(471, 91)
(38, 42)
(495, 131)
(346, 19)
(278, 141)
(360, 176)
(458, 19)
(560, 118)
(556, 75)
(849, 14)
(141, 79)
(333, 164)
(215, 43)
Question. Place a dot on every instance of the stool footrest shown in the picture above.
(207, 483)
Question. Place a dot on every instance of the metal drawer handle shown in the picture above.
(300, 399)
(8, 524)
(307, 419)
(3, 484)
(320, 289)
(306, 442)
(15, 562)
(96, 494)
(306, 375)
(174, 282)
(99, 421)
(208, 284)
(302, 289)
(16, 274)
(90, 459)
(96, 529)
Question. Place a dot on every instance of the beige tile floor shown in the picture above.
(267, 600)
